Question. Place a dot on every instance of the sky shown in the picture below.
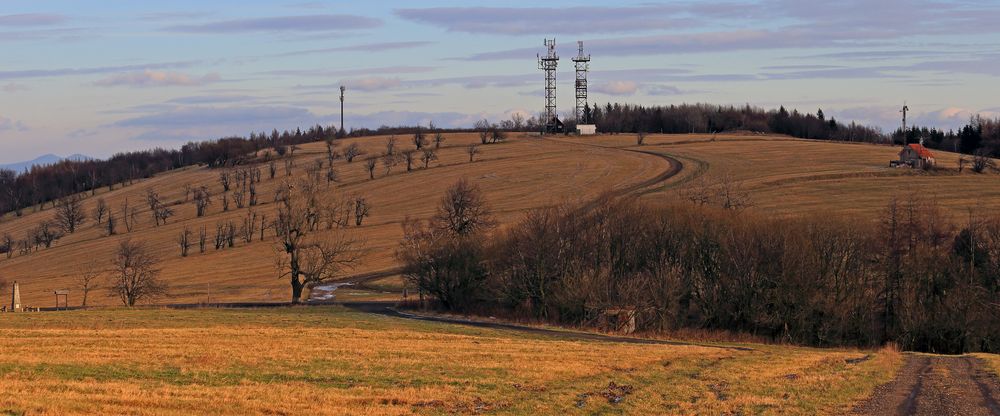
(101, 76)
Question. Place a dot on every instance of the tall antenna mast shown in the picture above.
(582, 67)
(548, 63)
(342, 90)
(904, 111)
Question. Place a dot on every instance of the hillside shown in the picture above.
(783, 176)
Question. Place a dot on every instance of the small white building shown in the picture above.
(586, 129)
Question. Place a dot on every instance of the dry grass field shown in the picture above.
(328, 360)
(783, 177)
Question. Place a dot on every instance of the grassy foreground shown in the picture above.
(334, 361)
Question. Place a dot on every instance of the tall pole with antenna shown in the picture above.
(342, 90)
(582, 67)
(904, 111)
(548, 63)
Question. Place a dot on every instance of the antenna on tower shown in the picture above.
(582, 67)
(904, 111)
(548, 63)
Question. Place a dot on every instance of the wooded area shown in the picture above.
(916, 278)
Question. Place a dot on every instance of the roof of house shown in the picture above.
(921, 151)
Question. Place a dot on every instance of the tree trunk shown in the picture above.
(296, 290)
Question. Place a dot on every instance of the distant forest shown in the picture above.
(47, 184)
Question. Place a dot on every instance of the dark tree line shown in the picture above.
(48, 184)
(981, 136)
(912, 277)
(707, 118)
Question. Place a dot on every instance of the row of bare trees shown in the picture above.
(913, 277)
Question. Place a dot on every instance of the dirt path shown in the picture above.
(387, 309)
(937, 385)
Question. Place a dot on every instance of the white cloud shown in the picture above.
(8, 124)
(617, 88)
(150, 78)
(371, 83)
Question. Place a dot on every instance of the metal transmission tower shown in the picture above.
(548, 63)
(582, 67)
(342, 90)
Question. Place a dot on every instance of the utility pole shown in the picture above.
(342, 90)
(904, 111)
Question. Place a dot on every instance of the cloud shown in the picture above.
(12, 88)
(150, 78)
(664, 90)
(31, 19)
(563, 20)
(62, 72)
(212, 99)
(371, 83)
(617, 88)
(308, 23)
(199, 116)
(8, 124)
(368, 47)
(351, 72)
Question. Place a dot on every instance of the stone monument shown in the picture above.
(15, 303)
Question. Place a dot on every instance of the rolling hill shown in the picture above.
(783, 176)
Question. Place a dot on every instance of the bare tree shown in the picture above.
(239, 198)
(272, 169)
(225, 178)
(472, 150)
(483, 127)
(253, 194)
(302, 258)
(100, 211)
(370, 165)
(362, 209)
(640, 138)
(438, 140)
(981, 161)
(390, 145)
(88, 279)
(225, 202)
(408, 157)
(134, 276)
(188, 189)
(248, 227)
(202, 239)
(463, 210)
(732, 194)
(202, 199)
(7, 244)
(184, 241)
(46, 234)
(428, 156)
(419, 140)
(352, 151)
(109, 226)
(289, 164)
(70, 214)
(497, 134)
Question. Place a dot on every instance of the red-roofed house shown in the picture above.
(917, 156)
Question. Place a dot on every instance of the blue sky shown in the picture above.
(95, 77)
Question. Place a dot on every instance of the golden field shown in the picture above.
(329, 360)
(783, 176)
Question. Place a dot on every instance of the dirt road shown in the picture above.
(936, 385)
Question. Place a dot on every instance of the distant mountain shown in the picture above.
(42, 161)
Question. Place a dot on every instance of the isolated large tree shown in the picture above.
(70, 214)
(134, 276)
(303, 255)
(463, 210)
